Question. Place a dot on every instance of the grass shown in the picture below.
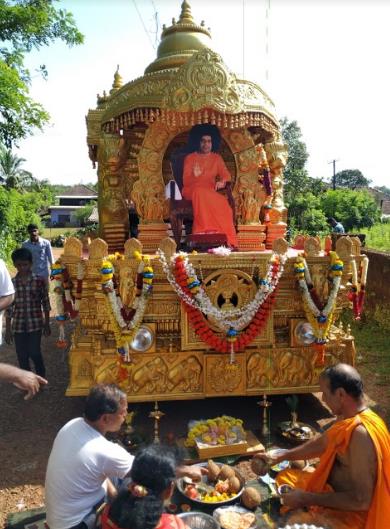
(373, 359)
(378, 237)
(49, 233)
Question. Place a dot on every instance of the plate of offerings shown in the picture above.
(235, 517)
(222, 485)
(296, 433)
(217, 437)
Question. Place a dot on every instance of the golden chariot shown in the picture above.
(132, 134)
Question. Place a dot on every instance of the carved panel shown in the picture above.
(73, 248)
(225, 378)
(281, 368)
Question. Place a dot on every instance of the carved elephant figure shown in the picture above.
(297, 368)
(151, 377)
(261, 371)
(185, 375)
(106, 371)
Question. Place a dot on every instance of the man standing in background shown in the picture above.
(41, 253)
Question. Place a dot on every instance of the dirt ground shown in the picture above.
(27, 428)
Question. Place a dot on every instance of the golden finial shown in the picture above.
(186, 15)
(117, 81)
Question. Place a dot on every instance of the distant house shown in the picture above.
(63, 214)
(382, 199)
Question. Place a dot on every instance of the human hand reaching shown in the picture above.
(29, 382)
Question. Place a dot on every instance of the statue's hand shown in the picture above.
(219, 185)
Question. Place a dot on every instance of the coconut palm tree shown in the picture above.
(12, 175)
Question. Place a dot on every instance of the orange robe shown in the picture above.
(212, 212)
(339, 435)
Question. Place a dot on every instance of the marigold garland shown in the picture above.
(182, 277)
(126, 323)
(319, 316)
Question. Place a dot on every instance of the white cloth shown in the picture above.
(168, 191)
(80, 461)
(6, 288)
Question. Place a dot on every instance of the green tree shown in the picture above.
(306, 215)
(12, 174)
(17, 210)
(295, 174)
(82, 214)
(27, 25)
(354, 209)
(351, 179)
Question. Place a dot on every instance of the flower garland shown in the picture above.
(358, 290)
(319, 316)
(126, 323)
(183, 279)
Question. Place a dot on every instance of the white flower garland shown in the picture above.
(321, 320)
(236, 319)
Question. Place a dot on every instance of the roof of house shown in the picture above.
(78, 191)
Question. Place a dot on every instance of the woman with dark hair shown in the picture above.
(204, 174)
(141, 505)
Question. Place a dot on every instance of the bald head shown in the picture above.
(346, 377)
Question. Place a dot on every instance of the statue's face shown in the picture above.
(206, 144)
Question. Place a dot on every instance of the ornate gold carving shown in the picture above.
(203, 82)
(151, 377)
(319, 277)
(229, 289)
(280, 246)
(312, 246)
(277, 158)
(168, 246)
(98, 249)
(344, 248)
(185, 376)
(73, 248)
(281, 368)
(224, 377)
(131, 246)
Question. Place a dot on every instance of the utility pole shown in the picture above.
(333, 162)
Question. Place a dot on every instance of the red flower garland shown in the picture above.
(206, 334)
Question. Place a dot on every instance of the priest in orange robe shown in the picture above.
(350, 488)
(204, 174)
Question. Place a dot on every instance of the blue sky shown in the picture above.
(324, 63)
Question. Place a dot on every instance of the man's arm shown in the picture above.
(49, 253)
(25, 380)
(361, 481)
(5, 301)
(309, 450)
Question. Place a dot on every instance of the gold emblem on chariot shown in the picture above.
(228, 290)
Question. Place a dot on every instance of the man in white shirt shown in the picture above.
(83, 462)
(25, 380)
(6, 293)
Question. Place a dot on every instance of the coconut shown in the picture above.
(226, 472)
(234, 485)
(259, 466)
(251, 498)
(300, 463)
(213, 469)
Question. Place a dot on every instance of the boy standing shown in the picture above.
(31, 298)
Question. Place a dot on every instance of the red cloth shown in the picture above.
(167, 521)
(212, 212)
